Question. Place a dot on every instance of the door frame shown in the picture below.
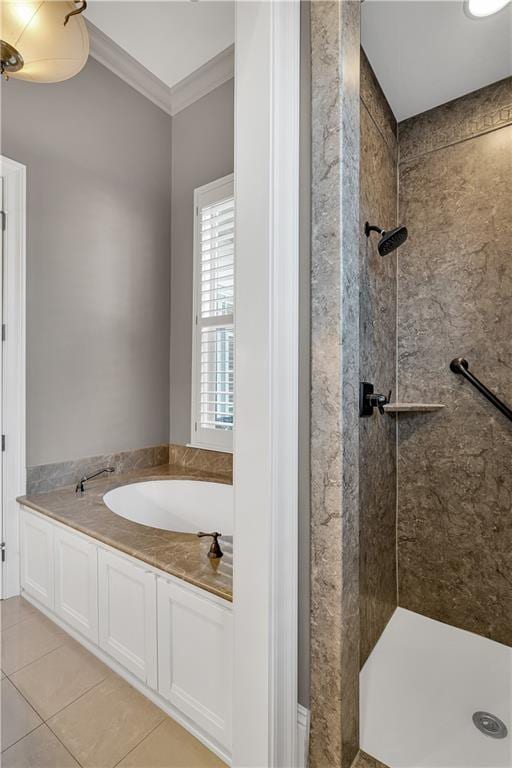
(14, 372)
(267, 95)
(267, 122)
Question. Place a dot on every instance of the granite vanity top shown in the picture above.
(180, 554)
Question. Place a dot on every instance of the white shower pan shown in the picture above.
(421, 686)
(184, 506)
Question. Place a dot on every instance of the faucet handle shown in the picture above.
(383, 400)
(215, 550)
(80, 485)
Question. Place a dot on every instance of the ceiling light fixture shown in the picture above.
(479, 9)
(44, 41)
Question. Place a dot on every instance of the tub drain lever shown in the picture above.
(215, 550)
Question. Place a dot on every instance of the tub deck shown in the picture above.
(181, 554)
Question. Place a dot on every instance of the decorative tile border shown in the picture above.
(48, 477)
(470, 129)
(374, 101)
(467, 117)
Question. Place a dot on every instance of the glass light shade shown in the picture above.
(51, 51)
(479, 9)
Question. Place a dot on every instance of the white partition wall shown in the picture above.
(267, 71)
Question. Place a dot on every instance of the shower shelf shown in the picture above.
(412, 407)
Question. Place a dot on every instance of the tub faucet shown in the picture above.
(80, 485)
(215, 550)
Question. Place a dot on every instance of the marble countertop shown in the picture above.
(181, 554)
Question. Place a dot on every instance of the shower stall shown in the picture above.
(435, 479)
(411, 396)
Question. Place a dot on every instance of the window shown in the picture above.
(214, 332)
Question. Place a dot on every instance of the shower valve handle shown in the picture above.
(379, 401)
(368, 400)
(383, 400)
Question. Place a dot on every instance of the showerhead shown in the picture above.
(389, 241)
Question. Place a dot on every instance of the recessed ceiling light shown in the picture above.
(479, 9)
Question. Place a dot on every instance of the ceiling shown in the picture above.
(427, 52)
(171, 38)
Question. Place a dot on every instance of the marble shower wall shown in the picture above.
(455, 299)
(335, 108)
(377, 329)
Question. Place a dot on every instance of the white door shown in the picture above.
(127, 614)
(195, 657)
(12, 362)
(76, 582)
(37, 558)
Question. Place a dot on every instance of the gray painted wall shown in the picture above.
(202, 151)
(98, 157)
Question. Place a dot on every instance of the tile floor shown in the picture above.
(63, 708)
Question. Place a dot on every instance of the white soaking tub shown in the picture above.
(184, 506)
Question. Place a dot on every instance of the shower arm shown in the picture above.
(461, 366)
(372, 228)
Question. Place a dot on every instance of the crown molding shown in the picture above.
(206, 78)
(215, 72)
(115, 58)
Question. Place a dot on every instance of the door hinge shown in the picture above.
(3, 218)
(2, 548)
(3, 331)
(195, 427)
(3, 442)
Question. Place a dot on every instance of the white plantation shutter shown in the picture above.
(214, 263)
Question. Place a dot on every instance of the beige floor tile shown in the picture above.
(13, 610)
(40, 749)
(60, 677)
(28, 640)
(18, 717)
(171, 746)
(106, 723)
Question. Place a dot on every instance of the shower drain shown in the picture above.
(490, 725)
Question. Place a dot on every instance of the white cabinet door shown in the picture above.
(127, 614)
(195, 657)
(37, 558)
(76, 582)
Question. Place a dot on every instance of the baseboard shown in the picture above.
(303, 718)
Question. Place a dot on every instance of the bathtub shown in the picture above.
(150, 620)
(185, 506)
